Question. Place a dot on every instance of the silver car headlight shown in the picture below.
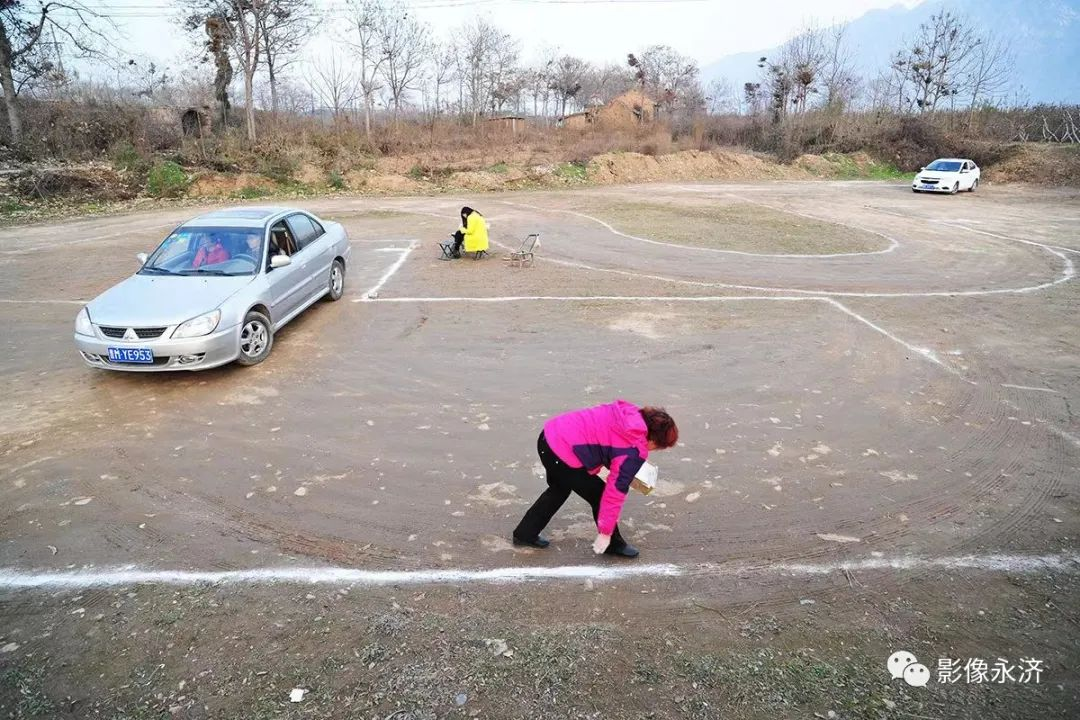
(83, 326)
(197, 327)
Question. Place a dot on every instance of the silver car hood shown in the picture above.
(156, 300)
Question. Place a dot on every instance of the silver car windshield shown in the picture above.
(207, 251)
(943, 166)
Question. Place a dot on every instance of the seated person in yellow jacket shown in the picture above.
(472, 233)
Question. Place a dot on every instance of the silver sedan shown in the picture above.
(215, 291)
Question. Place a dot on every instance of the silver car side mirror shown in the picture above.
(280, 261)
(141, 257)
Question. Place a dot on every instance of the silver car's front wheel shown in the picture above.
(337, 280)
(256, 339)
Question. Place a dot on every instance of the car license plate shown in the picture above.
(929, 187)
(143, 356)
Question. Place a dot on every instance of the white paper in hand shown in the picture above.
(645, 479)
(601, 544)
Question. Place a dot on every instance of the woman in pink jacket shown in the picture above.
(574, 446)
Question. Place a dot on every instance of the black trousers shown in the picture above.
(562, 480)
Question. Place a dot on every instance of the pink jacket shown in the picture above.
(612, 436)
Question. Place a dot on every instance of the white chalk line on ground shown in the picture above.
(131, 575)
(586, 298)
(1028, 387)
(1068, 272)
(1060, 432)
(374, 290)
(82, 579)
(893, 244)
(924, 353)
(1052, 249)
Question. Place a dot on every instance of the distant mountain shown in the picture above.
(1044, 34)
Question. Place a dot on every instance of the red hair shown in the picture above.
(662, 429)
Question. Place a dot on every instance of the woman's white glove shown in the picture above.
(601, 544)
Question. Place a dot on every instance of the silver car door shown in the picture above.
(324, 244)
(287, 284)
(315, 249)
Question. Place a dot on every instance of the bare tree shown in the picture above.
(24, 56)
(286, 27)
(486, 59)
(335, 84)
(537, 85)
(721, 98)
(403, 42)
(366, 18)
(507, 88)
(897, 81)
(663, 69)
(147, 80)
(239, 24)
(938, 61)
(778, 85)
(217, 47)
(989, 73)
(539, 79)
(567, 77)
(752, 98)
(838, 76)
(441, 74)
(605, 83)
(668, 77)
(801, 65)
(812, 69)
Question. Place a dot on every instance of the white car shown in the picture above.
(948, 175)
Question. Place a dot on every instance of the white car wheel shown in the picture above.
(974, 185)
(955, 188)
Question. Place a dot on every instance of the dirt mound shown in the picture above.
(613, 168)
(478, 180)
(1038, 164)
(815, 165)
(309, 174)
(215, 184)
(385, 183)
(485, 180)
(91, 182)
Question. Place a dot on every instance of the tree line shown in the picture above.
(383, 61)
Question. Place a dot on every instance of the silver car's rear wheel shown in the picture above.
(256, 339)
(337, 280)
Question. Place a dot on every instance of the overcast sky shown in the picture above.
(597, 30)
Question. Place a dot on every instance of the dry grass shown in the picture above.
(301, 155)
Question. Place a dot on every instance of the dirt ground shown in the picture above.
(879, 452)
